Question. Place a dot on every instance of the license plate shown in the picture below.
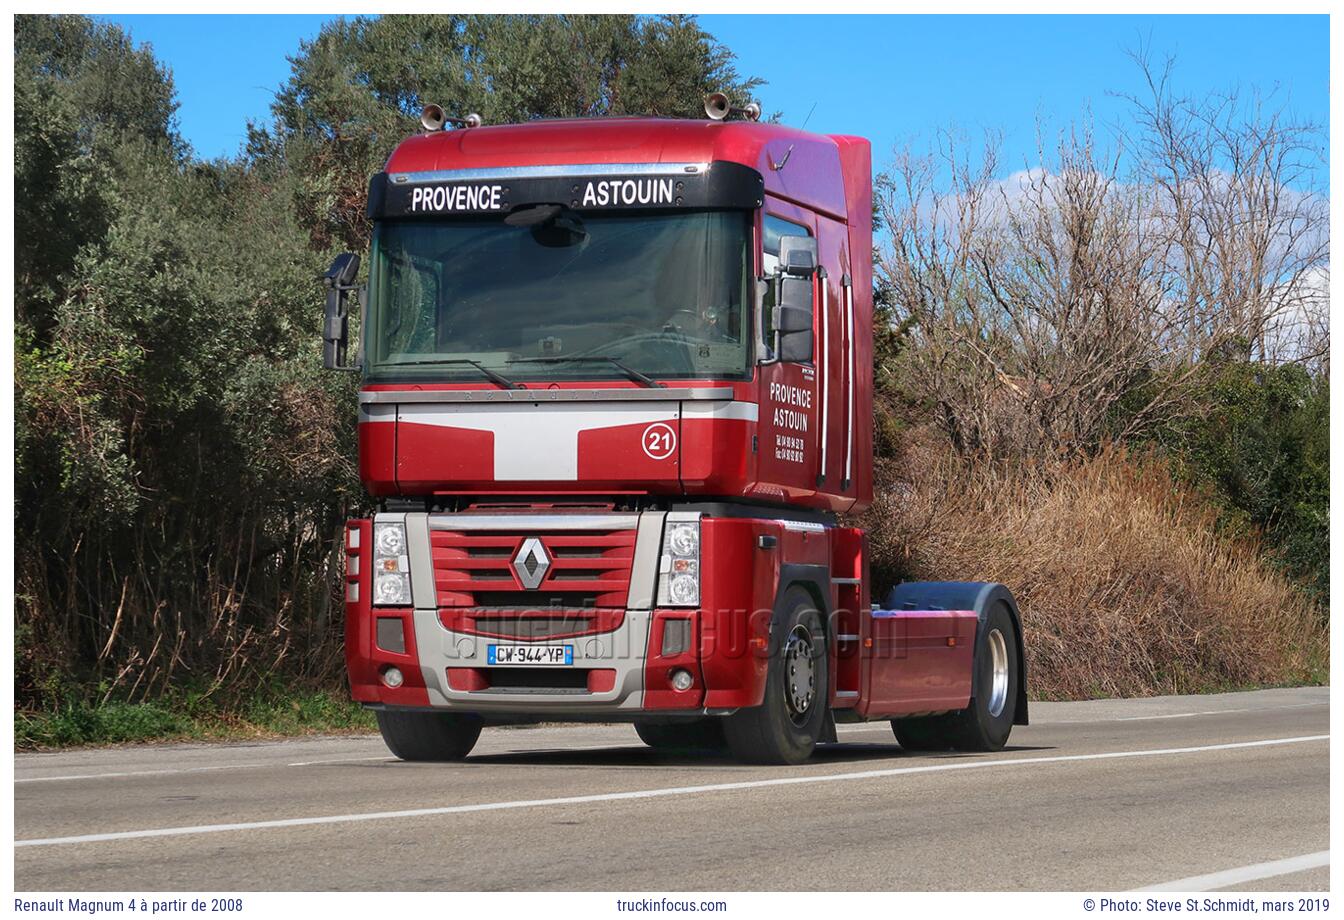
(530, 654)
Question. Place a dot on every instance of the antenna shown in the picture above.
(809, 117)
(788, 153)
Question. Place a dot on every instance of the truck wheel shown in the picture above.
(924, 733)
(785, 728)
(428, 735)
(985, 724)
(698, 734)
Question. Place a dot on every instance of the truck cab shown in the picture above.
(618, 275)
(616, 388)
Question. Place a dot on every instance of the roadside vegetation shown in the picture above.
(268, 712)
(1102, 380)
(1127, 585)
(1105, 383)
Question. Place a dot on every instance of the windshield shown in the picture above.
(561, 296)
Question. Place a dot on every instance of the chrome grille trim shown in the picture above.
(527, 522)
(613, 394)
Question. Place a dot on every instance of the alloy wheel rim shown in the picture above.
(998, 677)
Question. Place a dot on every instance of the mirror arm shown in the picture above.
(362, 301)
(766, 352)
(775, 337)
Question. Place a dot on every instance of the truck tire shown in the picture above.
(697, 734)
(985, 724)
(437, 736)
(785, 728)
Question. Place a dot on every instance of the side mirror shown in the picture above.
(344, 269)
(796, 347)
(793, 313)
(339, 280)
(793, 319)
(798, 256)
(788, 335)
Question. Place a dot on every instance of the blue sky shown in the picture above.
(889, 78)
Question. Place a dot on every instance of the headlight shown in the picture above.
(679, 567)
(389, 539)
(684, 539)
(391, 568)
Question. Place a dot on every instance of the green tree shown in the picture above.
(357, 89)
(1264, 448)
(81, 92)
(184, 464)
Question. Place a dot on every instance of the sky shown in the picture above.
(893, 79)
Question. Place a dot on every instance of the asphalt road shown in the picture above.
(1097, 796)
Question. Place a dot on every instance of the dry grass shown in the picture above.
(1124, 585)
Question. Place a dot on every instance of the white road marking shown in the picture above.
(310, 763)
(300, 763)
(118, 775)
(882, 727)
(566, 748)
(650, 793)
(1184, 715)
(1229, 877)
(1220, 712)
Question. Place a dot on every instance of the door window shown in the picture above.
(772, 229)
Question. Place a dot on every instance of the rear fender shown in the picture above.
(980, 596)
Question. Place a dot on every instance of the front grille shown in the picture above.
(531, 628)
(528, 627)
(587, 569)
(535, 601)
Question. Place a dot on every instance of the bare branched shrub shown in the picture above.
(1082, 300)
(1236, 179)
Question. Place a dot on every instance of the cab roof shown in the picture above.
(811, 173)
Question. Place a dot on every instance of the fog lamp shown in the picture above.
(684, 590)
(391, 588)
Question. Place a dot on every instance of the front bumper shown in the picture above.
(618, 670)
(457, 674)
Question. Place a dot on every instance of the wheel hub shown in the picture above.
(800, 674)
(998, 674)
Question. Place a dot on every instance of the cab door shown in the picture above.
(787, 428)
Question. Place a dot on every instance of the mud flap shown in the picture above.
(828, 733)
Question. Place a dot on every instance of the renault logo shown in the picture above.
(531, 563)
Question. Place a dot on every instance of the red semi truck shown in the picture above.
(616, 389)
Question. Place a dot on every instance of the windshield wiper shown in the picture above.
(500, 379)
(630, 372)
